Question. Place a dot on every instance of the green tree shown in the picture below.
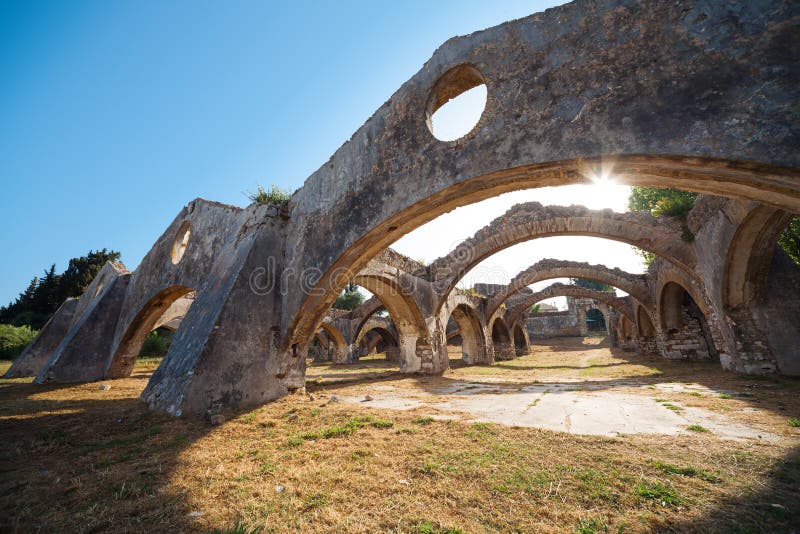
(350, 299)
(662, 202)
(536, 308)
(43, 296)
(592, 284)
(658, 202)
(676, 203)
(790, 240)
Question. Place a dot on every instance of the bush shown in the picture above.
(275, 195)
(350, 299)
(14, 339)
(155, 345)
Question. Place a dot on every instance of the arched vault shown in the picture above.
(567, 103)
(633, 284)
(621, 304)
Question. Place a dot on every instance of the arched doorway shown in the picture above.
(147, 320)
(337, 345)
(520, 341)
(501, 341)
(465, 321)
(379, 340)
(686, 331)
(647, 332)
(595, 321)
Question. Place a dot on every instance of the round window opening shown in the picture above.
(181, 240)
(457, 103)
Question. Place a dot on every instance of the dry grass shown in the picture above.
(76, 458)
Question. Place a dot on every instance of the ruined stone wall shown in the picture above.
(554, 324)
(685, 343)
(778, 314)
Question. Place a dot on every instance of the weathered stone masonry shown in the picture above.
(712, 108)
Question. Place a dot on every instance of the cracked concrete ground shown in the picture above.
(582, 386)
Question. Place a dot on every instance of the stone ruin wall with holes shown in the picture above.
(583, 79)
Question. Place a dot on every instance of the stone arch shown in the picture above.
(646, 330)
(407, 177)
(644, 324)
(381, 335)
(319, 349)
(521, 346)
(416, 348)
(596, 319)
(127, 350)
(684, 324)
(626, 333)
(364, 313)
(337, 344)
(633, 284)
(502, 342)
(525, 222)
(567, 290)
(750, 254)
(473, 344)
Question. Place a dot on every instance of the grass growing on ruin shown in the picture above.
(274, 195)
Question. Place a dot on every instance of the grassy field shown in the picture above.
(77, 458)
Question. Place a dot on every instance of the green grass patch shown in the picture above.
(794, 422)
(687, 471)
(521, 481)
(294, 441)
(317, 500)
(725, 396)
(697, 428)
(427, 527)
(591, 526)
(380, 423)
(657, 491)
(423, 420)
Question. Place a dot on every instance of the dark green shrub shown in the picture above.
(350, 299)
(14, 339)
(156, 344)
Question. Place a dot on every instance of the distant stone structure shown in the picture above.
(693, 95)
(568, 323)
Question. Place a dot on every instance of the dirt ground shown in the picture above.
(574, 437)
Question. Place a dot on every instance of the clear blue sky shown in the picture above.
(113, 115)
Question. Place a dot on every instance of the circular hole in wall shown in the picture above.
(456, 103)
(181, 240)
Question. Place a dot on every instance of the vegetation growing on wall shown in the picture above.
(275, 195)
(790, 240)
(592, 284)
(676, 203)
(41, 299)
(662, 202)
